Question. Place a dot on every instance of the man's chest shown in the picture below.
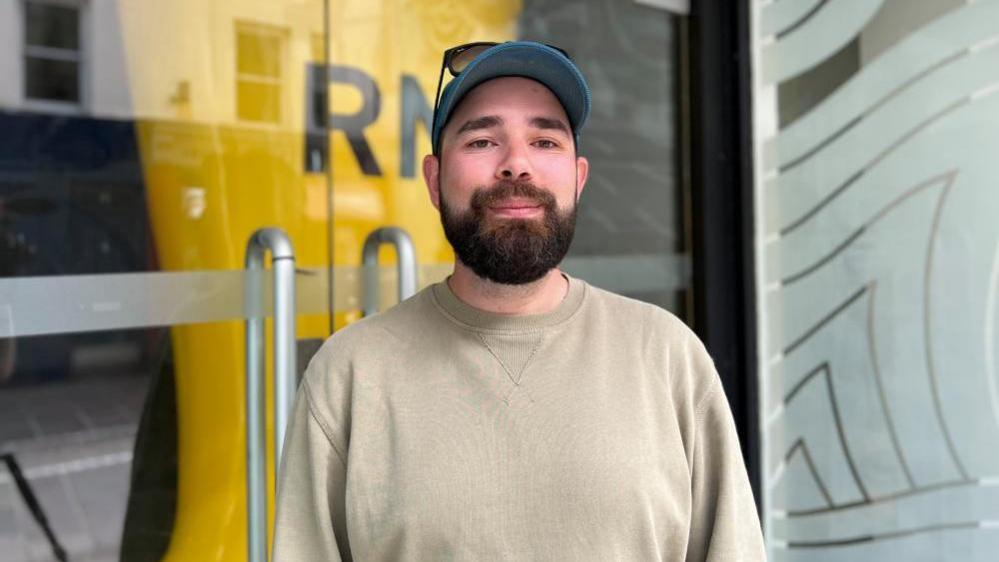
(563, 450)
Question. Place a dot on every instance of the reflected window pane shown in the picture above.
(258, 52)
(49, 79)
(48, 25)
(258, 102)
(632, 215)
(258, 72)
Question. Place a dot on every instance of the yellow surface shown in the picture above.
(218, 90)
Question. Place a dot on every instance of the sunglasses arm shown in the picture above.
(437, 95)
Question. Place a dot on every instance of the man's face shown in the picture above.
(507, 181)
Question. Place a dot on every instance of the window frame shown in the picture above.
(79, 56)
(279, 81)
(721, 173)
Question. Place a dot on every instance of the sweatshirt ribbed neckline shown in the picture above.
(482, 320)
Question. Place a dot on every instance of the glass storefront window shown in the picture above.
(631, 222)
(146, 142)
(877, 128)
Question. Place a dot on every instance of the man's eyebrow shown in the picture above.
(480, 123)
(549, 123)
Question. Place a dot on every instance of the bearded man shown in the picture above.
(513, 412)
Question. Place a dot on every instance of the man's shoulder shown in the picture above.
(373, 336)
(653, 318)
(393, 322)
(663, 339)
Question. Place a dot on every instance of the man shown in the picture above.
(513, 412)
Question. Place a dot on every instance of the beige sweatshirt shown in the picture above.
(436, 431)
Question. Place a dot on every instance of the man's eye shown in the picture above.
(479, 143)
(545, 143)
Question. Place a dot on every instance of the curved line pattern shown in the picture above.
(928, 334)
(990, 330)
(911, 78)
(800, 445)
(865, 113)
(825, 320)
(981, 482)
(776, 15)
(801, 21)
(844, 101)
(934, 387)
(840, 432)
(885, 536)
(985, 92)
(804, 380)
(947, 177)
(882, 397)
(808, 270)
(823, 34)
(796, 223)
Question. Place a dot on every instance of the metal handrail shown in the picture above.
(283, 260)
(405, 265)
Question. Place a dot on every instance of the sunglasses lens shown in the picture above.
(461, 59)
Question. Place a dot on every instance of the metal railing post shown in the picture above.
(405, 265)
(283, 266)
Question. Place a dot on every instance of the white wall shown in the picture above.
(11, 82)
(108, 93)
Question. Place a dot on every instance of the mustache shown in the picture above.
(506, 189)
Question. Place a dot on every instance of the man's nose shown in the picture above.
(515, 165)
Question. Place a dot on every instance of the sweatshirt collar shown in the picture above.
(477, 319)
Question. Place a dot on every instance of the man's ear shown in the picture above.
(432, 177)
(582, 172)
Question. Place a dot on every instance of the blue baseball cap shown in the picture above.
(527, 59)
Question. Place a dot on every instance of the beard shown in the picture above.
(510, 251)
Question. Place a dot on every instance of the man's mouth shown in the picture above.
(516, 208)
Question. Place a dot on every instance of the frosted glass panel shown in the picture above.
(878, 270)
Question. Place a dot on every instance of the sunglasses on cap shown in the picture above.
(457, 59)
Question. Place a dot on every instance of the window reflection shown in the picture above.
(52, 52)
(258, 72)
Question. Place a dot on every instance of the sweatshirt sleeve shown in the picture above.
(724, 523)
(309, 518)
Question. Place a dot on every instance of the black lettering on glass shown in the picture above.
(353, 124)
(414, 109)
(316, 134)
